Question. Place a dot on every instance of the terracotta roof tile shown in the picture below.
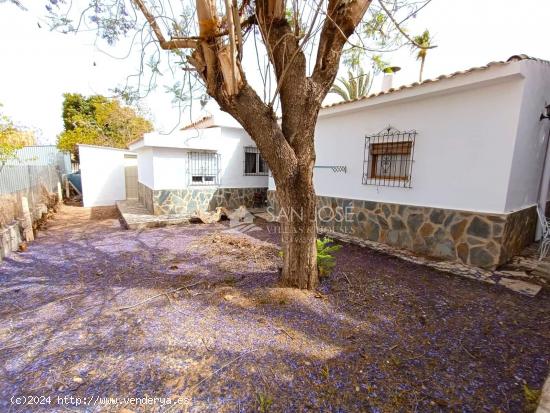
(198, 123)
(514, 58)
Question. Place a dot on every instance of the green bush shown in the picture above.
(325, 260)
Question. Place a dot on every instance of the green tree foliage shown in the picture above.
(97, 120)
(356, 85)
(12, 138)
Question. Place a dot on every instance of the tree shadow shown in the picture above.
(379, 335)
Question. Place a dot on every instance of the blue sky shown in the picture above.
(38, 66)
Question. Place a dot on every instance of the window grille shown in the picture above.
(388, 158)
(202, 168)
(254, 164)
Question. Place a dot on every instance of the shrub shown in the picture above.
(325, 260)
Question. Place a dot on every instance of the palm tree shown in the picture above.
(354, 86)
(422, 43)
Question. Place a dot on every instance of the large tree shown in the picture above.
(299, 44)
(12, 138)
(98, 120)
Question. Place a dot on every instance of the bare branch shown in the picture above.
(180, 43)
(403, 32)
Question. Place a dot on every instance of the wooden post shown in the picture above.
(59, 193)
(28, 234)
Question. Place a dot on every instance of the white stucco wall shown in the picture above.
(464, 148)
(102, 173)
(532, 136)
(233, 141)
(145, 166)
(162, 159)
(169, 168)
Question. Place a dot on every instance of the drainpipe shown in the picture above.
(544, 183)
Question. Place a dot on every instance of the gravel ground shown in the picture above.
(193, 315)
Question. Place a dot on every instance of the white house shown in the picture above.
(451, 168)
(211, 162)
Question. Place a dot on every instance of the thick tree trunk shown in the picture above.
(298, 236)
(298, 229)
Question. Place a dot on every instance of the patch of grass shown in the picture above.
(230, 280)
(265, 401)
(532, 397)
(325, 372)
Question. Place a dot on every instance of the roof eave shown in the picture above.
(492, 74)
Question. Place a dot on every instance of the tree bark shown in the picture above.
(298, 226)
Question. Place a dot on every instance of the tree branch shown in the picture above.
(403, 32)
(180, 43)
(341, 21)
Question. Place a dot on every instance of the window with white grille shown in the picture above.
(203, 168)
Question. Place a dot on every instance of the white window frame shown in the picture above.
(208, 172)
(254, 150)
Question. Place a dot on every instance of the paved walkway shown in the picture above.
(134, 215)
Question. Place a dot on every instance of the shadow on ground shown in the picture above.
(91, 310)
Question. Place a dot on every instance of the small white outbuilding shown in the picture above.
(108, 175)
(211, 162)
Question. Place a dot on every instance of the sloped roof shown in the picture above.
(204, 122)
(514, 58)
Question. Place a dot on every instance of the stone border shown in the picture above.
(134, 215)
(188, 201)
(455, 268)
(477, 239)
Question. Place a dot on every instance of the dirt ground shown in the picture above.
(193, 315)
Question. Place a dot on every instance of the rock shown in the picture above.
(462, 251)
(515, 273)
(426, 229)
(414, 221)
(521, 287)
(445, 249)
(437, 216)
(78, 380)
(457, 230)
(479, 228)
(397, 223)
(481, 258)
